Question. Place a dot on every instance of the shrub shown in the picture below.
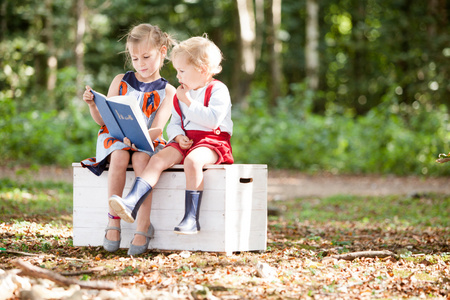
(389, 139)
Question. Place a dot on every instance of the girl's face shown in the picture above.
(147, 61)
(187, 74)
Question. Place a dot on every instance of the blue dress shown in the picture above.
(150, 97)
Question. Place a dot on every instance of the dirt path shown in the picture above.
(284, 185)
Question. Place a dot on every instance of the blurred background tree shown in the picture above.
(343, 86)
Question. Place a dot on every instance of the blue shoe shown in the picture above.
(190, 223)
(111, 246)
(136, 250)
(127, 208)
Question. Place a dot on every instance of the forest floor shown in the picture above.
(333, 237)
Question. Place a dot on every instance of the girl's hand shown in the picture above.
(184, 142)
(127, 142)
(154, 133)
(88, 97)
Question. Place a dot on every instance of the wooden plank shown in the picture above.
(168, 219)
(204, 241)
(212, 200)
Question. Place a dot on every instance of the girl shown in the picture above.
(147, 46)
(199, 131)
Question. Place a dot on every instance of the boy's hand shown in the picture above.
(88, 97)
(182, 94)
(184, 142)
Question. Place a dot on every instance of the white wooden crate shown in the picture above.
(233, 214)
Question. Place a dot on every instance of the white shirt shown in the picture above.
(199, 117)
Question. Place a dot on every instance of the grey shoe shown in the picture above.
(136, 250)
(111, 246)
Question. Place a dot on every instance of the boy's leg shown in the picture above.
(161, 161)
(118, 163)
(129, 206)
(193, 168)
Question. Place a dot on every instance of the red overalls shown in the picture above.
(215, 140)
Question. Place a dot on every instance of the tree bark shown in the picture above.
(3, 24)
(246, 58)
(274, 48)
(247, 35)
(52, 61)
(79, 47)
(312, 44)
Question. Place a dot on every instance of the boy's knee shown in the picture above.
(157, 161)
(191, 164)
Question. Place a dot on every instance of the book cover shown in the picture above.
(123, 118)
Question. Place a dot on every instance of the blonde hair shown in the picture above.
(201, 52)
(151, 34)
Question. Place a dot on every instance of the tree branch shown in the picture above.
(33, 271)
(369, 254)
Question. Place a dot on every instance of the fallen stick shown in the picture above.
(38, 255)
(360, 254)
(19, 253)
(442, 160)
(77, 273)
(33, 271)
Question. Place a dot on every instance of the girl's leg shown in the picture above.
(193, 168)
(160, 162)
(118, 163)
(129, 207)
(139, 161)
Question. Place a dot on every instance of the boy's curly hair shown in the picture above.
(201, 52)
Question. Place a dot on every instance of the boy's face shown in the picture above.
(187, 74)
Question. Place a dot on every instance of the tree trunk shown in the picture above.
(274, 48)
(312, 44)
(246, 60)
(259, 18)
(52, 61)
(79, 47)
(3, 24)
(436, 11)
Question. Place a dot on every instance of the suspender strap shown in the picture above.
(176, 105)
(208, 91)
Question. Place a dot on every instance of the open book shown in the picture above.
(124, 118)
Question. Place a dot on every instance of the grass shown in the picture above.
(26, 200)
(419, 210)
(53, 200)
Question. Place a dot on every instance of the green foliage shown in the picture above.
(390, 138)
(380, 107)
(46, 137)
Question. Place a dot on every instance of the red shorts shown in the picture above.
(218, 143)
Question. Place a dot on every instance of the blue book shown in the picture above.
(124, 118)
